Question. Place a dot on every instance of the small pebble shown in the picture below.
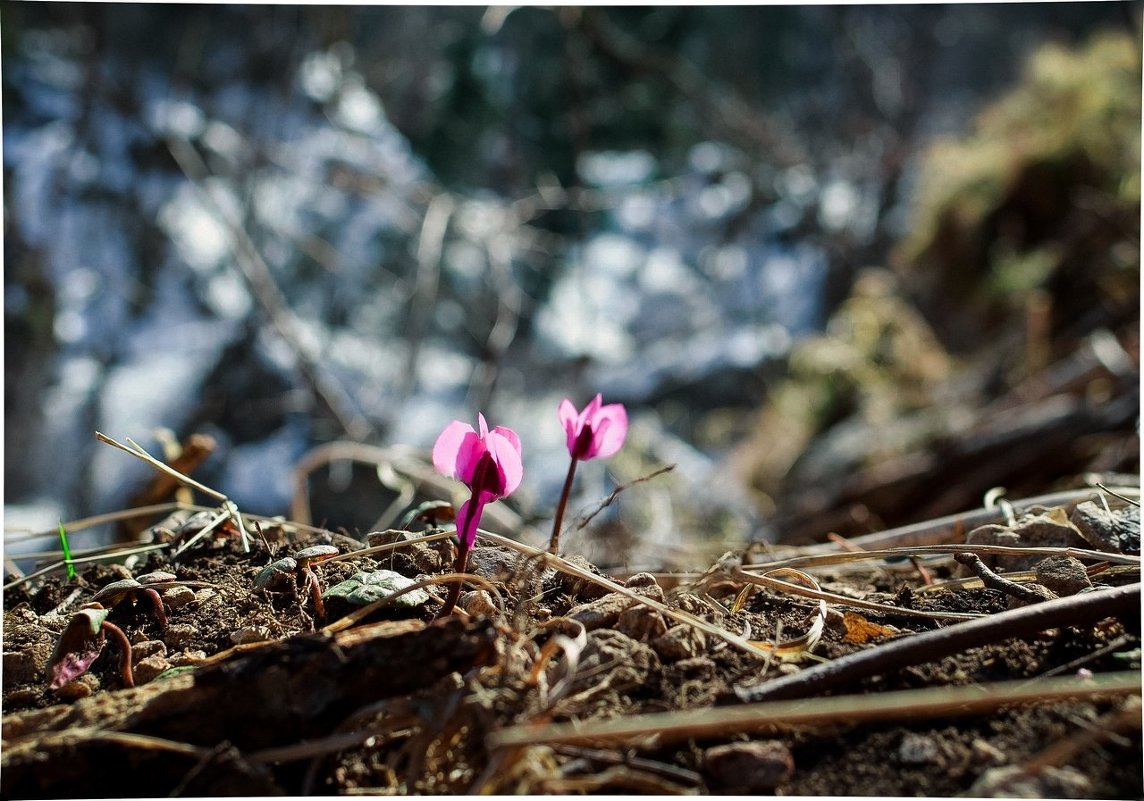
(175, 597)
(1115, 532)
(250, 634)
(918, 749)
(477, 602)
(188, 658)
(753, 767)
(178, 634)
(19, 667)
(142, 650)
(1011, 781)
(679, 642)
(641, 623)
(985, 753)
(1063, 575)
(147, 669)
(601, 613)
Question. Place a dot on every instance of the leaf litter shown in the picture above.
(814, 672)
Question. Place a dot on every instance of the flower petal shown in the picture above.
(506, 453)
(447, 449)
(593, 407)
(510, 435)
(570, 418)
(611, 431)
(468, 519)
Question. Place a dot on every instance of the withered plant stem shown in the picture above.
(929, 646)
(995, 582)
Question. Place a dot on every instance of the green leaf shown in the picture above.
(362, 589)
(67, 552)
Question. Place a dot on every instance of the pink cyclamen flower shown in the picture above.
(597, 432)
(489, 464)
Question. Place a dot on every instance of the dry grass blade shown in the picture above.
(731, 568)
(228, 505)
(680, 617)
(826, 560)
(112, 553)
(797, 646)
(779, 715)
(946, 529)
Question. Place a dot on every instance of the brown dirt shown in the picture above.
(401, 704)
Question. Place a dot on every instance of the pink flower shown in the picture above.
(596, 432)
(489, 464)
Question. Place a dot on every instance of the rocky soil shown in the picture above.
(1005, 665)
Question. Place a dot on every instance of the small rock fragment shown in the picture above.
(175, 597)
(918, 749)
(984, 752)
(1063, 575)
(477, 602)
(1048, 529)
(147, 669)
(753, 767)
(1113, 531)
(20, 667)
(679, 642)
(1012, 781)
(494, 562)
(179, 633)
(146, 648)
(601, 613)
(250, 634)
(646, 585)
(188, 658)
(641, 622)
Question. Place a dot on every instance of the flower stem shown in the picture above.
(124, 651)
(460, 566)
(554, 542)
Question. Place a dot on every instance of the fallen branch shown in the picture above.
(774, 716)
(929, 646)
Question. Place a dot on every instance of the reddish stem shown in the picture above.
(124, 651)
(460, 566)
(315, 593)
(554, 542)
(157, 602)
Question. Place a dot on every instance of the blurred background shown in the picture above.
(847, 267)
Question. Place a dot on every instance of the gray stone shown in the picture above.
(753, 767)
(1063, 575)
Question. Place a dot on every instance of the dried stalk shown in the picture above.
(663, 727)
(947, 529)
(1083, 609)
(731, 568)
(556, 562)
(824, 560)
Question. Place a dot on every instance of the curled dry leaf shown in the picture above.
(78, 647)
(860, 630)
